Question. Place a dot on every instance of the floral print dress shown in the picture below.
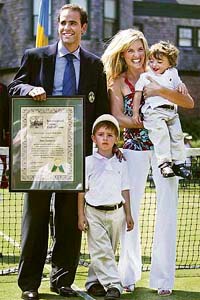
(134, 138)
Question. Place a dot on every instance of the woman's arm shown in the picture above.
(117, 106)
(136, 107)
(154, 89)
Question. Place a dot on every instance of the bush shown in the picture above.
(191, 125)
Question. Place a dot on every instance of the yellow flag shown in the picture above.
(42, 27)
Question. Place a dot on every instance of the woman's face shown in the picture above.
(135, 55)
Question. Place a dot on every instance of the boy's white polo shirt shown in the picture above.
(105, 180)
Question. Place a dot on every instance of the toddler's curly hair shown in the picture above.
(164, 48)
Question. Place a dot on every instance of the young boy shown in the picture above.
(160, 116)
(103, 209)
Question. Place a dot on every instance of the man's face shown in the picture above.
(70, 29)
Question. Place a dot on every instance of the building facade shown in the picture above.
(179, 22)
(176, 21)
(18, 20)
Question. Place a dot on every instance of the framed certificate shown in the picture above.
(47, 144)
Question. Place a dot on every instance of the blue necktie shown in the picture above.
(69, 78)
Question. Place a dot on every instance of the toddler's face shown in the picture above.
(159, 65)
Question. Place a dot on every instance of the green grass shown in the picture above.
(186, 287)
(187, 281)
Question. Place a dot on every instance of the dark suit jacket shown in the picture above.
(4, 116)
(37, 69)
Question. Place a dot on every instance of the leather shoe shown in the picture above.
(166, 170)
(30, 295)
(182, 171)
(112, 294)
(65, 291)
(96, 290)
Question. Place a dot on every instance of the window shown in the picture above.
(36, 7)
(198, 37)
(84, 4)
(185, 36)
(189, 36)
(110, 18)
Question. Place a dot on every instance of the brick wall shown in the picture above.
(157, 28)
(16, 36)
(16, 30)
(192, 83)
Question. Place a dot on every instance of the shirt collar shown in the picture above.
(62, 51)
(99, 156)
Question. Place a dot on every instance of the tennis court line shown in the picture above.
(9, 239)
(82, 294)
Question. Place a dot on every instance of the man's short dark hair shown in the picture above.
(75, 7)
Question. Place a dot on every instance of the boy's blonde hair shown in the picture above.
(114, 63)
(167, 49)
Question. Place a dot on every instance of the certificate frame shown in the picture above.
(47, 149)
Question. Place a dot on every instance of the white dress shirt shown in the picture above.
(60, 68)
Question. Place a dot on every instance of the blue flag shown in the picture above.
(43, 22)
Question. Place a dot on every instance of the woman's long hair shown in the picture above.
(113, 61)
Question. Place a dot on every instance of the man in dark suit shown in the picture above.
(41, 74)
(4, 132)
(4, 116)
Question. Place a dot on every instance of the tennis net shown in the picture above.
(188, 230)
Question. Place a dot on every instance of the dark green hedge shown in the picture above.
(191, 126)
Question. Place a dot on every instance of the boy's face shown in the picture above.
(104, 138)
(159, 65)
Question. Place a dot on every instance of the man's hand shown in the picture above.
(152, 89)
(38, 94)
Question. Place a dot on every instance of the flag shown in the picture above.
(42, 27)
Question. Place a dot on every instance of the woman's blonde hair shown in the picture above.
(114, 63)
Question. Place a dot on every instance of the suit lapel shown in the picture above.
(49, 68)
(83, 70)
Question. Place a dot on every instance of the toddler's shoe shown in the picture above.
(182, 171)
(164, 292)
(166, 170)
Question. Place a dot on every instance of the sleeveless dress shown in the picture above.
(134, 138)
